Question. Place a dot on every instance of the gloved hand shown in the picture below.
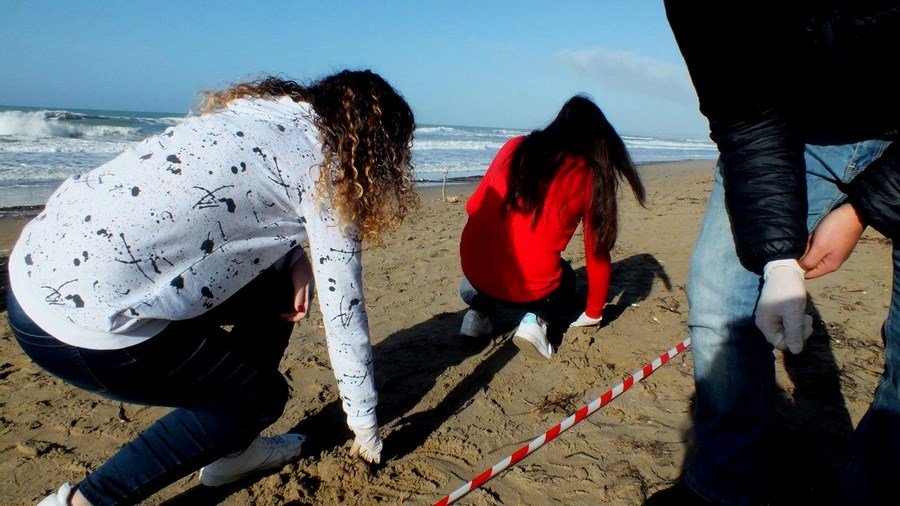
(586, 321)
(367, 444)
(780, 314)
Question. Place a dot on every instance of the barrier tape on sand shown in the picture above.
(580, 415)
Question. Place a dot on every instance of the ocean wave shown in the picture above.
(661, 142)
(24, 173)
(64, 115)
(26, 125)
(435, 130)
(85, 144)
(468, 131)
(669, 146)
(32, 124)
(39, 148)
(426, 145)
(165, 120)
(75, 116)
(46, 182)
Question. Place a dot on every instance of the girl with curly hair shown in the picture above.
(536, 192)
(122, 285)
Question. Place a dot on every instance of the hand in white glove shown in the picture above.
(367, 444)
(780, 314)
(586, 321)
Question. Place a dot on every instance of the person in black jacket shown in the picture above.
(803, 102)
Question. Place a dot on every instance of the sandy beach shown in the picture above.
(452, 408)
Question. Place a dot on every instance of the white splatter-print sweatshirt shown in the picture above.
(179, 222)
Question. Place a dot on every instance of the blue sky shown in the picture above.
(460, 62)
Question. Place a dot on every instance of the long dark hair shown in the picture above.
(366, 128)
(581, 130)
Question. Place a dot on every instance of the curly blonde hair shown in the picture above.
(366, 129)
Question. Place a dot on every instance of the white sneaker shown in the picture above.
(58, 498)
(531, 337)
(475, 324)
(264, 453)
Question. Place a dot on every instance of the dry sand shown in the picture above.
(451, 409)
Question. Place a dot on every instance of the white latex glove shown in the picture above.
(367, 444)
(780, 314)
(586, 321)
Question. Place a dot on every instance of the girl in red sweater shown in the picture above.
(522, 216)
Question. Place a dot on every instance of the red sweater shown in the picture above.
(506, 257)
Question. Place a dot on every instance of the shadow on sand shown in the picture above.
(409, 362)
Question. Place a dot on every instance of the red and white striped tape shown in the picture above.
(580, 415)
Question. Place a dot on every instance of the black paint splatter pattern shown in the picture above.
(172, 227)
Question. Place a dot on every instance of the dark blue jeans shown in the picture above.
(555, 308)
(225, 386)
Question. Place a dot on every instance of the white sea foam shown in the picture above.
(660, 143)
(425, 145)
(32, 124)
(62, 145)
(468, 131)
(26, 175)
(67, 124)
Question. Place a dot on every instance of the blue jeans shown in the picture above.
(225, 387)
(554, 308)
(734, 366)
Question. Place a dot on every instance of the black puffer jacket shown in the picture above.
(773, 76)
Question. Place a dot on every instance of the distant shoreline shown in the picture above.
(14, 212)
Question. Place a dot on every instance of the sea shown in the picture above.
(41, 147)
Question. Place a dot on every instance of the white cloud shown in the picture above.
(632, 72)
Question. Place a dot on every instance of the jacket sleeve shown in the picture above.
(765, 189)
(876, 193)
(731, 67)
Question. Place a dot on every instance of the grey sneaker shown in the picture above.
(59, 498)
(475, 324)
(264, 453)
(531, 337)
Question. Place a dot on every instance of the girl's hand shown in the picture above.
(367, 444)
(586, 321)
(302, 279)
